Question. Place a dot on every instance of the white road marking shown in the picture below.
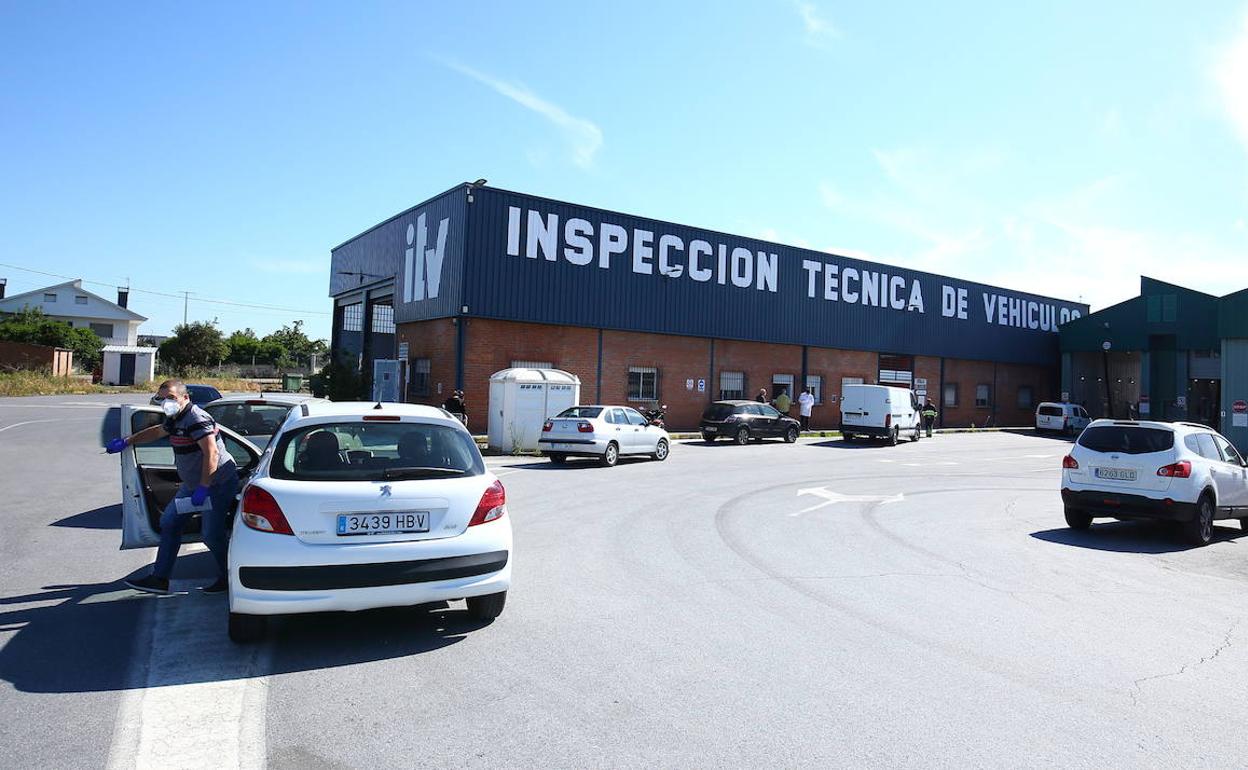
(194, 699)
(72, 405)
(832, 498)
(34, 422)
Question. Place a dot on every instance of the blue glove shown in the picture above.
(199, 495)
(115, 446)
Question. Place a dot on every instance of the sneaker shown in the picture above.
(219, 587)
(149, 585)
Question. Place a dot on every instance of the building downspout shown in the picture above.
(460, 333)
(710, 374)
(940, 394)
(801, 386)
(598, 396)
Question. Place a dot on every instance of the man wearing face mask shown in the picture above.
(208, 475)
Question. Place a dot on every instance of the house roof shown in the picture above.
(76, 284)
(127, 349)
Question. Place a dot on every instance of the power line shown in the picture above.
(184, 296)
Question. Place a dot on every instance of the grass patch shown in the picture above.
(25, 383)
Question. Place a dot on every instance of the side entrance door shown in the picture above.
(126, 375)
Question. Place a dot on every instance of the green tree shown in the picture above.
(31, 326)
(291, 346)
(197, 344)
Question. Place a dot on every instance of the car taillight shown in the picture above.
(492, 506)
(262, 513)
(1070, 463)
(888, 420)
(585, 427)
(1180, 470)
(547, 426)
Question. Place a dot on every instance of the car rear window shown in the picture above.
(718, 411)
(583, 412)
(1126, 439)
(1051, 411)
(375, 451)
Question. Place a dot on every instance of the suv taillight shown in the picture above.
(262, 513)
(584, 427)
(1180, 470)
(1070, 463)
(492, 506)
(547, 426)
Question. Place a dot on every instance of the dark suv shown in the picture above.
(745, 420)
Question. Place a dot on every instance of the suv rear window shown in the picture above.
(1051, 411)
(1126, 439)
(718, 411)
(375, 451)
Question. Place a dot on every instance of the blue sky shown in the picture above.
(224, 148)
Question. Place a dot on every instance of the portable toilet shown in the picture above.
(522, 399)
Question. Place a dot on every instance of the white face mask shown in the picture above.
(170, 407)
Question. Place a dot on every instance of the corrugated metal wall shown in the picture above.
(1234, 388)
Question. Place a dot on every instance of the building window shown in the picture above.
(103, 331)
(731, 385)
(896, 370)
(643, 383)
(418, 384)
(782, 382)
(353, 318)
(951, 394)
(383, 319)
(982, 395)
(1024, 397)
(80, 299)
(815, 383)
(532, 365)
(49, 297)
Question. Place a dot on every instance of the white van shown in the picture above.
(1066, 418)
(880, 411)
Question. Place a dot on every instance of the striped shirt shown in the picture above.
(185, 429)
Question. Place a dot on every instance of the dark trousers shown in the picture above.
(805, 422)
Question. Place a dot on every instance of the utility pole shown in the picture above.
(186, 299)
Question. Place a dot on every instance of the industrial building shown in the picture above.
(480, 279)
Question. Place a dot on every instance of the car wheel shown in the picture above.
(709, 438)
(246, 628)
(892, 436)
(1199, 531)
(486, 607)
(790, 435)
(558, 459)
(743, 436)
(611, 456)
(660, 450)
(1076, 519)
(918, 434)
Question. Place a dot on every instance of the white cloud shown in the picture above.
(584, 135)
(1230, 74)
(819, 31)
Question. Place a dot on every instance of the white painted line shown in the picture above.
(832, 498)
(506, 473)
(34, 422)
(194, 699)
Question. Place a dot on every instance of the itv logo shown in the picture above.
(423, 274)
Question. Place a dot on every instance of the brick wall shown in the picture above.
(1004, 382)
(677, 359)
(833, 366)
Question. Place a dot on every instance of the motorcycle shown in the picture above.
(657, 417)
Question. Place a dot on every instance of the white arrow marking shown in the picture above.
(832, 498)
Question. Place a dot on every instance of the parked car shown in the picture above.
(200, 395)
(1061, 417)
(256, 418)
(602, 431)
(1180, 472)
(742, 421)
(355, 507)
(880, 411)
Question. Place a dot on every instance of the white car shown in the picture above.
(605, 432)
(1061, 417)
(353, 506)
(1180, 472)
(880, 411)
(256, 418)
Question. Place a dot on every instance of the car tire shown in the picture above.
(488, 607)
(611, 456)
(1199, 531)
(661, 450)
(892, 436)
(558, 459)
(743, 436)
(245, 629)
(790, 435)
(1076, 519)
(918, 434)
(709, 438)
(847, 437)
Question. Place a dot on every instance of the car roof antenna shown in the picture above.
(378, 405)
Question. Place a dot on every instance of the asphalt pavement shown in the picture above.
(818, 604)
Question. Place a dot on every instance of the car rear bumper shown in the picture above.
(278, 574)
(1124, 506)
(866, 430)
(590, 447)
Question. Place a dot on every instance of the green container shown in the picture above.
(292, 383)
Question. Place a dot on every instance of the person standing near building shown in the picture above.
(929, 416)
(783, 402)
(208, 475)
(805, 405)
(762, 396)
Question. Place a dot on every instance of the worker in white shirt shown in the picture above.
(805, 403)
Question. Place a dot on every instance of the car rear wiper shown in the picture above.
(417, 472)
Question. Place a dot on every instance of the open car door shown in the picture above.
(149, 479)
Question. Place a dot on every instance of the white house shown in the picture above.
(115, 323)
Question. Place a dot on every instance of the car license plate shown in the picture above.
(1116, 474)
(711, 429)
(392, 523)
